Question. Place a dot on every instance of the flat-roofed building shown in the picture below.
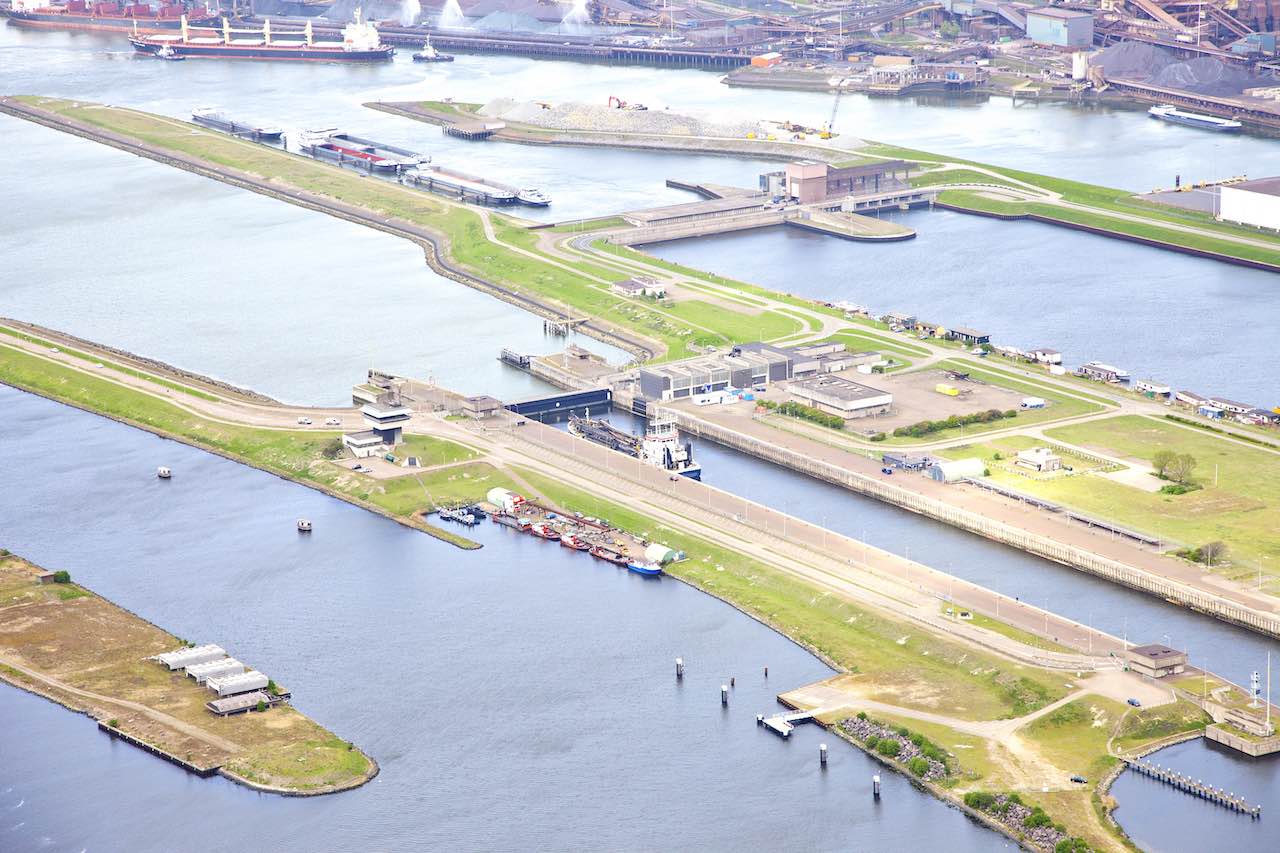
(387, 418)
(968, 336)
(182, 658)
(1060, 27)
(202, 672)
(1040, 459)
(839, 396)
(1255, 203)
(810, 182)
(363, 444)
(242, 682)
(1156, 660)
(481, 406)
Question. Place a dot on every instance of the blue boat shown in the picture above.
(644, 567)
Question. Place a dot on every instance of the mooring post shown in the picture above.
(679, 668)
(822, 754)
(724, 694)
(875, 786)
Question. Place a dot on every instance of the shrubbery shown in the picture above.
(807, 413)
(62, 576)
(923, 428)
(888, 748)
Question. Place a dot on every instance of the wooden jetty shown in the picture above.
(1195, 787)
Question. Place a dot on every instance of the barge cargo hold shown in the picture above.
(462, 187)
(330, 144)
(216, 120)
(360, 43)
(139, 18)
(660, 446)
(1170, 113)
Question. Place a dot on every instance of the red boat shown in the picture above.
(574, 542)
(130, 17)
(608, 555)
(544, 531)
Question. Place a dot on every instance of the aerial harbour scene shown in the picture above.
(640, 425)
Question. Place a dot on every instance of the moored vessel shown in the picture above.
(217, 120)
(360, 43)
(533, 197)
(508, 520)
(430, 54)
(544, 531)
(577, 543)
(644, 567)
(1168, 112)
(331, 144)
(107, 17)
(608, 555)
(660, 446)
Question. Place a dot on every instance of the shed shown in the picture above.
(955, 470)
(182, 658)
(1156, 660)
(243, 682)
(202, 672)
(505, 499)
(661, 554)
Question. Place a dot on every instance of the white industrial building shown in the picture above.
(1040, 459)
(182, 658)
(838, 396)
(955, 470)
(202, 672)
(1255, 203)
(243, 682)
(505, 499)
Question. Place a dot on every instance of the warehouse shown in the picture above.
(837, 396)
(1060, 27)
(182, 658)
(202, 672)
(956, 470)
(1255, 203)
(243, 682)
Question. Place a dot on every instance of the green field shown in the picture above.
(923, 671)
(1238, 504)
(297, 454)
(1074, 737)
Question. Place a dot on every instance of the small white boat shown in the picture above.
(533, 197)
(430, 54)
(167, 52)
(304, 525)
(163, 473)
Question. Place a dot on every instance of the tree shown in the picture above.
(62, 576)
(1213, 552)
(1161, 462)
(1179, 470)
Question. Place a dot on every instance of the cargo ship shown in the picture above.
(331, 144)
(660, 445)
(1168, 112)
(111, 17)
(217, 120)
(360, 43)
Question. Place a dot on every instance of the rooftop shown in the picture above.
(1061, 14)
(1155, 651)
(838, 387)
(1267, 186)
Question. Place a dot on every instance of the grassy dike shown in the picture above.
(66, 643)
(301, 456)
(457, 231)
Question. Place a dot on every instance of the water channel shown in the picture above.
(150, 259)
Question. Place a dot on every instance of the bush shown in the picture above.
(862, 715)
(888, 747)
(114, 723)
(919, 765)
(923, 428)
(879, 437)
(872, 740)
(1037, 818)
(979, 800)
(1179, 488)
(1015, 799)
(903, 731)
(1071, 845)
(62, 576)
(262, 705)
(1011, 413)
(272, 687)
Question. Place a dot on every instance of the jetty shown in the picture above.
(1195, 787)
(782, 724)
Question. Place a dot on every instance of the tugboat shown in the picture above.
(544, 531)
(572, 541)
(533, 197)
(608, 555)
(430, 54)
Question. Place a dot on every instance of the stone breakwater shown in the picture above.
(908, 749)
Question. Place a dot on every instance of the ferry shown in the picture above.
(1168, 112)
(644, 567)
(360, 43)
(660, 446)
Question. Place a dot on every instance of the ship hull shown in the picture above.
(292, 54)
(146, 26)
(1202, 122)
(649, 570)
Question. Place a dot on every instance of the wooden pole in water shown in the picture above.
(724, 694)
(679, 669)
(822, 754)
(875, 786)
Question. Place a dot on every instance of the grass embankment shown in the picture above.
(86, 643)
(1102, 200)
(998, 626)
(1237, 504)
(298, 455)
(570, 289)
(894, 662)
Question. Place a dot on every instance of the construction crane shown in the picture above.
(828, 130)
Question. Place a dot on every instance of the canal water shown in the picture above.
(517, 697)
(1189, 322)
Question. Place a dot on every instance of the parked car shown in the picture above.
(333, 422)
(305, 421)
(886, 470)
(1079, 779)
(1135, 703)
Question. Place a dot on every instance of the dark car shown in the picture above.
(1079, 779)
(886, 470)
(1135, 703)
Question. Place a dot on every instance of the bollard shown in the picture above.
(724, 694)
(875, 786)
(822, 754)
(679, 668)
(766, 672)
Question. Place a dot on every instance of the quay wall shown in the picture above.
(1069, 555)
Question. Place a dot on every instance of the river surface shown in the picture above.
(110, 222)
(517, 697)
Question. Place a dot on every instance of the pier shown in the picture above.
(782, 724)
(1195, 787)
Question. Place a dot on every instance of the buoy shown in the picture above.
(679, 668)
(163, 473)
(875, 786)
(822, 754)
(724, 694)
(304, 525)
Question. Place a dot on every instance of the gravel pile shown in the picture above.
(863, 729)
(1132, 60)
(1204, 76)
(595, 117)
